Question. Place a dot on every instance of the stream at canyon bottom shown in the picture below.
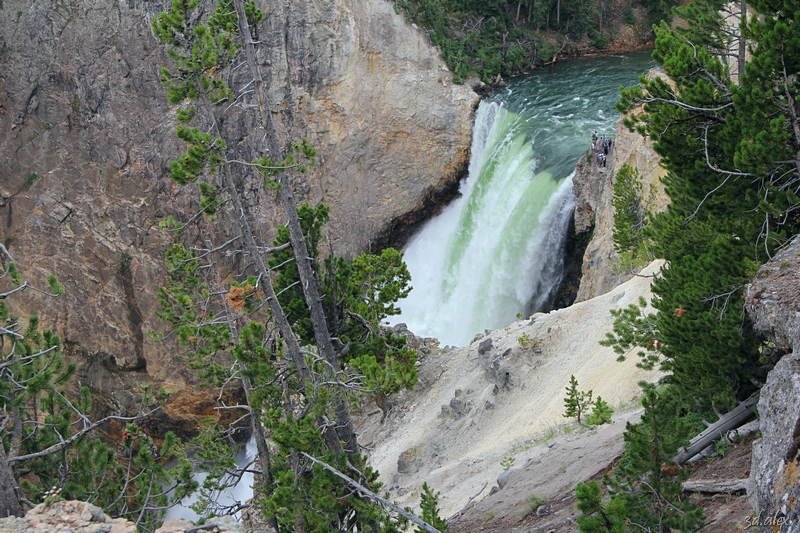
(496, 251)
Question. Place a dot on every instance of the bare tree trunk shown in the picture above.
(716, 430)
(308, 279)
(715, 486)
(742, 44)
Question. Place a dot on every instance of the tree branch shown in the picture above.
(65, 443)
(353, 483)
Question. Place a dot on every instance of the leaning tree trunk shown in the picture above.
(715, 431)
(345, 429)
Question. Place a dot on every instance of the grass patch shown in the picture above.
(532, 504)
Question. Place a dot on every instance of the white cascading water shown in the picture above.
(496, 250)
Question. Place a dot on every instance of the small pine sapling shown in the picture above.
(577, 402)
(601, 413)
(429, 504)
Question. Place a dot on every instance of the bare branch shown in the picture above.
(65, 443)
(22, 287)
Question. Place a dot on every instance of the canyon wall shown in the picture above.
(86, 136)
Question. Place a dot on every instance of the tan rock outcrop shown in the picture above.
(86, 136)
(81, 517)
(594, 191)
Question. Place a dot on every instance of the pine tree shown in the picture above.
(601, 413)
(430, 509)
(630, 216)
(646, 491)
(577, 403)
(729, 149)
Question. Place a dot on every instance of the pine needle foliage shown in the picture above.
(577, 403)
(359, 295)
(727, 144)
(430, 509)
(645, 492)
(631, 215)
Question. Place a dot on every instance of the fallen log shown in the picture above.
(745, 430)
(726, 422)
(715, 486)
(740, 432)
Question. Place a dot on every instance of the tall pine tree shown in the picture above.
(731, 151)
(294, 373)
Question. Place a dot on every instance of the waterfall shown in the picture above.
(496, 250)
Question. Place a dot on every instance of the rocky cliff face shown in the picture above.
(86, 136)
(594, 191)
(773, 303)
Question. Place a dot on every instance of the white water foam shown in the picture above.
(496, 250)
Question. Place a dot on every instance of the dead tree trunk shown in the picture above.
(9, 500)
(741, 54)
(726, 422)
(719, 486)
(308, 280)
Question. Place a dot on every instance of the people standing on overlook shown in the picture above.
(601, 160)
(601, 148)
